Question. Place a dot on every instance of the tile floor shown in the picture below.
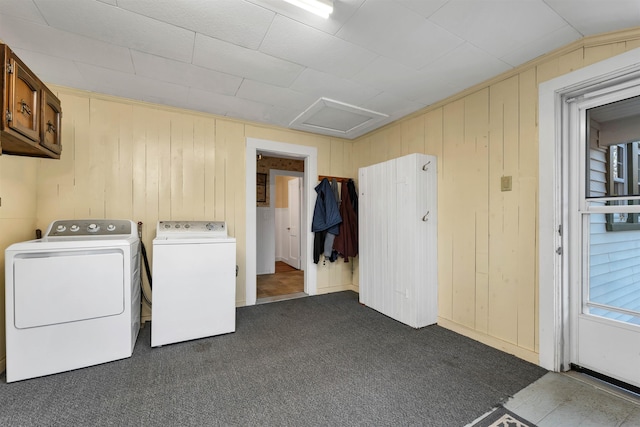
(573, 399)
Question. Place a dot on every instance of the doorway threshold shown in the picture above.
(276, 298)
(606, 384)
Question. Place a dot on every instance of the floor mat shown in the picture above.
(502, 417)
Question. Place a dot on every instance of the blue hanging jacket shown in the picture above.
(326, 215)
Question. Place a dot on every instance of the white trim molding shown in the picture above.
(555, 97)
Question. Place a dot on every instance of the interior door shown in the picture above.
(293, 228)
(605, 247)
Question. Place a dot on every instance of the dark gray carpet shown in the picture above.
(323, 360)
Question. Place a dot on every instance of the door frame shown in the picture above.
(280, 149)
(554, 231)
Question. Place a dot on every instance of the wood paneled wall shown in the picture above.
(130, 160)
(487, 238)
(17, 217)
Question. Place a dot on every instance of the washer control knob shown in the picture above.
(210, 226)
(60, 228)
(177, 225)
(187, 226)
(93, 228)
(111, 227)
(167, 226)
(74, 228)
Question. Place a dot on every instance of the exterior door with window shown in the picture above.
(605, 247)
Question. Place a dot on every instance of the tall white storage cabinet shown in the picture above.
(398, 223)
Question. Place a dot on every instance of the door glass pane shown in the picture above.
(613, 132)
(614, 270)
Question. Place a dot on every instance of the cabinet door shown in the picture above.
(51, 114)
(24, 99)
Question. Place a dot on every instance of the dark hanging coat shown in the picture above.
(346, 242)
(326, 217)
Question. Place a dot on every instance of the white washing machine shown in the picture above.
(72, 297)
(194, 286)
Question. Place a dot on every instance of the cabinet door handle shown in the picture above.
(426, 217)
(25, 108)
(50, 127)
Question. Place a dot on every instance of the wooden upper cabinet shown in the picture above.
(51, 119)
(31, 113)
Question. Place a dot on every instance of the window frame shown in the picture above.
(630, 181)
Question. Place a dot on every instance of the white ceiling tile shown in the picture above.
(21, 9)
(114, 25)
(274, 95)
(307, 46)
(56, 43)
(542, 45)
(450, 74)
(425, 88)
(111, 2)
(321, 84)
(234, 107)
(414, 52)
(231, 59)
(378, 21)
(207, 102)
(131, 86)
(597, 16)
(393, 105)
(454, 69)
(52, 70)
(437, 93)
(396, 32)
(261, 113)
(422, 7)
(497, 27)
(241, 108)
(342, 11)
(387, 75)
(213, 18)
(189, 75)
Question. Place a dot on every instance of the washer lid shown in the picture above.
(191, 229)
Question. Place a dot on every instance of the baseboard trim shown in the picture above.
(522, 353)
(3, 364)
(337, 288)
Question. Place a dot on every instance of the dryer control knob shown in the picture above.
(74, 228)
(111, 227)
(93, 228)
(210, 226)
(60, 228)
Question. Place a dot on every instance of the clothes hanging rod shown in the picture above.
(337, 178)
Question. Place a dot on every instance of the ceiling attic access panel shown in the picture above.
(25, 101)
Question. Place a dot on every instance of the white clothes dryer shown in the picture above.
(194, 286)
(72, 297)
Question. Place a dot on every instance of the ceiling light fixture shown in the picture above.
(322, 8)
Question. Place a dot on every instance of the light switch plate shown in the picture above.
(505, 183)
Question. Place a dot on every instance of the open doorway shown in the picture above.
(279, 270)
(309, 155)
